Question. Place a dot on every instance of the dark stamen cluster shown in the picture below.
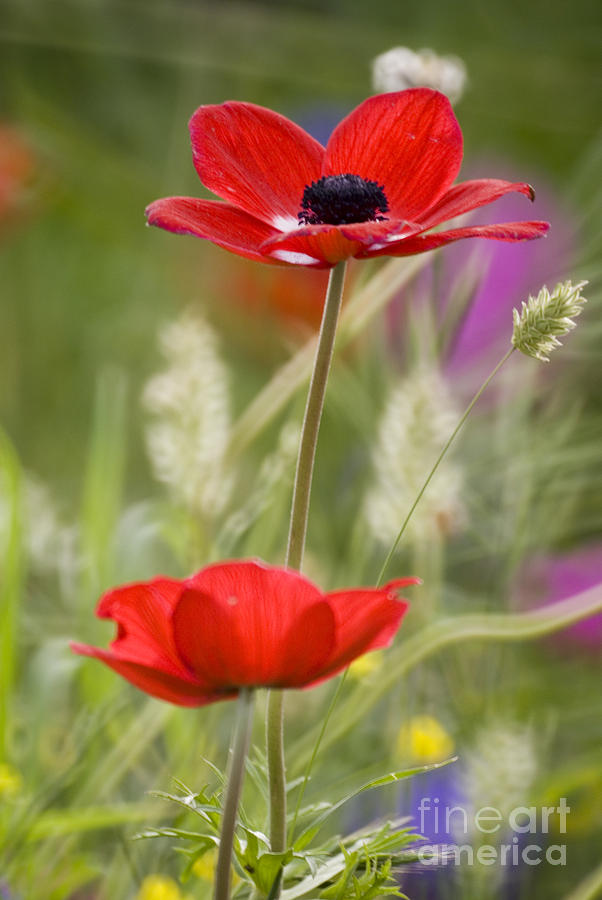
(342, 199)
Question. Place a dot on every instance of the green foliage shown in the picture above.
(352, 866)
(374, 882)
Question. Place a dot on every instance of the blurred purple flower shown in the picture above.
(427, 799)
(475, 287)
(320, 119)
(486, 328)
(550, 578)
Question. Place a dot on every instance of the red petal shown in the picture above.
(409, 142)
(470, 195)
(256, 159)
(143, 613)
(224, 225)
(241, 623)
(330, 243)
(155, 682)
(308, 643)
(397, 583)
(364, 620)
(229, 646)
(419, 243)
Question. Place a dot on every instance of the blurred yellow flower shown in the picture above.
(204, 867)
(159, 887)
(425, 740)
(365, 665)
(11, 781)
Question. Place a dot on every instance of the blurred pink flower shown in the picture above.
(491, 279)
(550, 578)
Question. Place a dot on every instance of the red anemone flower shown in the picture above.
(241, 624)
(377, 189)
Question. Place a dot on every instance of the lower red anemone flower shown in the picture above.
(241, 624)
(381, 184)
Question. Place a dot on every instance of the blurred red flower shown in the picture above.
(382, 182)
(241, 624)
(292, 298)
(16, 168)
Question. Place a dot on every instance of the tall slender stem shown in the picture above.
(296, 539)
(236, 772)
(313, 415)
(439, 459)
(276, 770)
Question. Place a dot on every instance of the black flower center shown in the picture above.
(341, 199)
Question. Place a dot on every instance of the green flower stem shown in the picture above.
(313, 415)
(236, 772)
(438, 461)
(276, 771)
(296, 539)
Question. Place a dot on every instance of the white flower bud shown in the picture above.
(402, 68)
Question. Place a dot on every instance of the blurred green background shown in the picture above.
(96, 97)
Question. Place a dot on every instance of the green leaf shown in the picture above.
(275, 889)
(378, 844)
(338, 890)
(269, 868)
(180, 833)
(209, 809)
(390, 778)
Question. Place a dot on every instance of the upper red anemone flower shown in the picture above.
(241, 624)
(381, 184)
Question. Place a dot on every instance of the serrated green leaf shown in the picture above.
(374, 843)
(209, 811)
(180, 833)
(338, 890)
